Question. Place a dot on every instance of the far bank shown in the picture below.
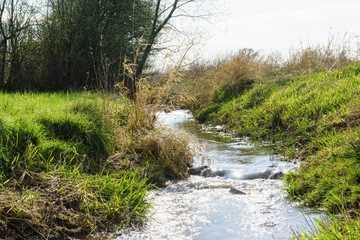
(311, 114)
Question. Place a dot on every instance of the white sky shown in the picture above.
(268, 25)
(275, 25)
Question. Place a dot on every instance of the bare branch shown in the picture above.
(1, 21)
(187, 2)
(171, 5)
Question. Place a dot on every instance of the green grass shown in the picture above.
(330, 229)
(48, 128)
(73, 164)
(54, 147)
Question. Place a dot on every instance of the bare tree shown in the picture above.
(165, 10)
(3, 44)
(14, 20)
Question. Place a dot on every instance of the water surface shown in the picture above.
(206, 208)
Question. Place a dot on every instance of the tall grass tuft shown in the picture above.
(166, 150)
(321, 58)
(160, 152)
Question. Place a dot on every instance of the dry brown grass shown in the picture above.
(238, 68)
(314, 59)
(167, 153)
(225, 78)
(43, 211)
(161, 153)
(167, 89)
(231, 74)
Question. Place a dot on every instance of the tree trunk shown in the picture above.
(3, 65)
(156, 29)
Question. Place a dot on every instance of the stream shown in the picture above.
(233, 199)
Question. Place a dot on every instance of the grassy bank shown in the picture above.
(314, 118)
(309, 106)
(75, 164)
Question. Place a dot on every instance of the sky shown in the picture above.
(263, 25)
(268, 26)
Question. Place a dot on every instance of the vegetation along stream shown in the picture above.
(238, 197)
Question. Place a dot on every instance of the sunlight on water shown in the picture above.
(223, 207)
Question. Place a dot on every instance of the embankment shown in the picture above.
(314, 119)
(80, 163)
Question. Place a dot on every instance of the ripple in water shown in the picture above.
(207, 209)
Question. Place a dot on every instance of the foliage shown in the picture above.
(16, 43)
(84, 39)
(57, 45)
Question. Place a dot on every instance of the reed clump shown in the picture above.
(161, 153)
(166, 148)
(320, 58)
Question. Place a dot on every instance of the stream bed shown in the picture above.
(238, 197)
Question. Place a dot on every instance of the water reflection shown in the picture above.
(206, 208)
